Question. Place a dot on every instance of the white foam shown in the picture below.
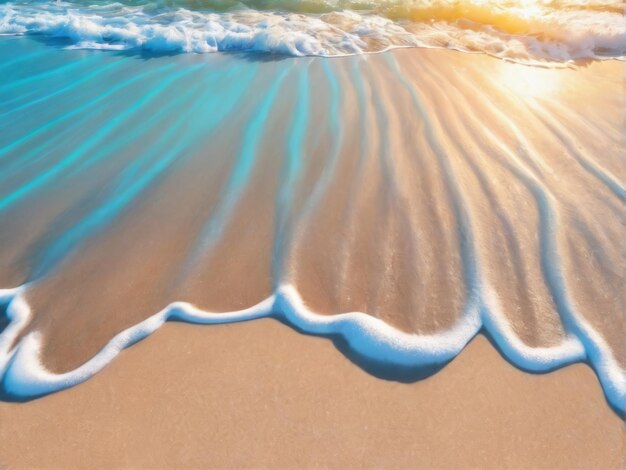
(537, 34)
(23, 376)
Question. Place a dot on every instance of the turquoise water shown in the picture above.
(57, 131)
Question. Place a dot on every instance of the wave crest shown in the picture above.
(521, 33)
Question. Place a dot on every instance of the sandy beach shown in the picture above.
(400, 204)
(258, 394)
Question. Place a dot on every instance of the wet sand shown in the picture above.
(408, 186)
(259, 394)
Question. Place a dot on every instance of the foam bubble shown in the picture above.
(536, 32)
(23, 376)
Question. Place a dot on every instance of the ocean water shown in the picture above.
(518, 30)
(402, 202)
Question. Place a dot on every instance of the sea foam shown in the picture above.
(528, 33)
(24, 377)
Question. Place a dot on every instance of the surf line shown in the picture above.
(23, 376)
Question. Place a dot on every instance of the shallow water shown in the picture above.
(438, 194)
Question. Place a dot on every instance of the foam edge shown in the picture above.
(24, 377)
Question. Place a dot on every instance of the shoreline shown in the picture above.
(380, 205)
(368, 342)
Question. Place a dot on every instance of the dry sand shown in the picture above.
(261, 395)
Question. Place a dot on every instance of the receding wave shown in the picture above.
(403, 202)
(521, 31)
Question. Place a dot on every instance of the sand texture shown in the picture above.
(259, 394)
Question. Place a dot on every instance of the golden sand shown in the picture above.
(259, 394)
(377, 229)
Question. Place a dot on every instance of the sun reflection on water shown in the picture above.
(527, 81)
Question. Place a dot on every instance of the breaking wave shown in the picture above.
(523, 31)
